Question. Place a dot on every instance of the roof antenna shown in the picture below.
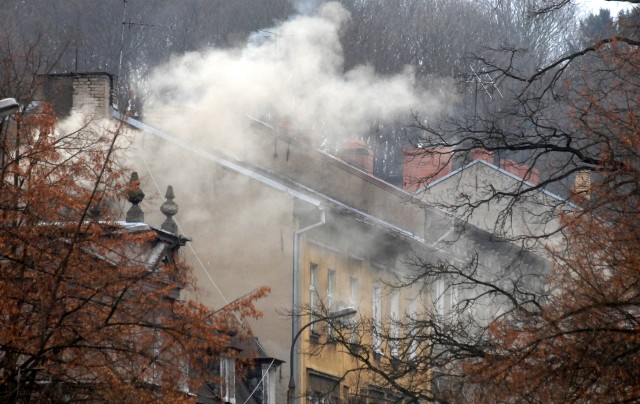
(124, 22)
(486, 84)
(128, 24)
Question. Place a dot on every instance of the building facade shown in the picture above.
(321, 231)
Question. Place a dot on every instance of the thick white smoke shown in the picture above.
(290, 76)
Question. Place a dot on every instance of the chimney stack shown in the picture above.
(482, 154)
(357, 154)
(424, 165)
(93, 93)
(527, 173)
(582, 184)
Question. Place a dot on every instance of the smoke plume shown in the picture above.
(291, 76)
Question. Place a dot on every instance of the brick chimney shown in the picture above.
(93, 93)
(520, 170)
(582, 184)
(482, 154)
(357, 154)
(422, 166)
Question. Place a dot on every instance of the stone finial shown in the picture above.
(169, 208)
(97, 209)
(135, 196)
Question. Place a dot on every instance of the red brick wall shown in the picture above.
(356, 153)
(482, 154)
(532, 175)
(422, 167)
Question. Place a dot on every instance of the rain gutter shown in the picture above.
(209, 156)
(295, 301)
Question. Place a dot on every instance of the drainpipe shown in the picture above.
(295, 321)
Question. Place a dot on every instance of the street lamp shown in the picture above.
(8, 106)
(348, 312)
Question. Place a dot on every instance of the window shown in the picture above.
(353, 302)
(394, 311)
(377, 318)
(260, 383)
(445, 297)
(353, 292)
(313, 292)
(228, 379)
(413, 314)
(438, 296)
(269, 384)
(331, 286)
(322, 388)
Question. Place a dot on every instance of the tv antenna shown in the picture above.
(128, 24)
(486, 82)
(124, 22)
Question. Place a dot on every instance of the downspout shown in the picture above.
(295, 320)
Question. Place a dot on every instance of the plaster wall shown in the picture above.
(533, 214)
(242, 234)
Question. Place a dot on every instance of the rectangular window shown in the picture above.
(353, 302)
(413, 316)
(228, 379)
(377, 318)
(268, 384)
(445, 297)
(313, 292)
(331, 289)
(394, 314)
(438, 297)
(353, 292)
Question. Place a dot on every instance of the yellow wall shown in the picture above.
(333, 361)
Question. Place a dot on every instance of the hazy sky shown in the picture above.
(592, 6)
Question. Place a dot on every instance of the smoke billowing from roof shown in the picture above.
(291, 75)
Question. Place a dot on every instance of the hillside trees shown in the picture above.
(437, 40)
(572, 118)
(86, 315)
(127, 38)
(583, 344)
(564, 326)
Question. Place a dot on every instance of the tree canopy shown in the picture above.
(92, 309)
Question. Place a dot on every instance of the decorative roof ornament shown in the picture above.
(169, 208)
(97, 209)
(135, 196)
